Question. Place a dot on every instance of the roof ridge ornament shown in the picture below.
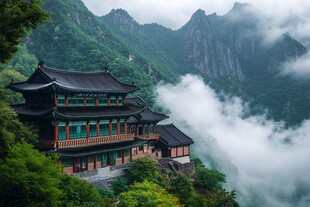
(40, 64)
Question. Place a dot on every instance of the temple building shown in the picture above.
(87, 119)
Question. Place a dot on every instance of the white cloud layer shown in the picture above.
(299, 68)
(268, 164)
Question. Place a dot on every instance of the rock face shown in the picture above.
(205, 52)
(217, 46)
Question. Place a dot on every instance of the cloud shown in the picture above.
(267, 163)
(299, 67)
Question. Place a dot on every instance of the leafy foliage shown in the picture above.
(120, 185)
(12, 130)
(143, 169)
(210, 179)
(29, 178)
(147, 194)
(78, 192)
(17, 18)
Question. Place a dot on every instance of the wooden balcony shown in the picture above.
(149, 137)
(75, 143)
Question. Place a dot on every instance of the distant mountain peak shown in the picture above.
(240, 7)
(120, 12)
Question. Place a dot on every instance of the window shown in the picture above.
(98, 157)
(141, 148)
(151, 128)
(61, 131)
(92, 129)
(90, 158)
(76, 101)
(104, 128)
(133, 129)
(120, 100)
(77, 130)
(145, 130)
(126, 153)
(90, 101)
(118, 154)
(122, 126)
(112, 100)
(140, 130)
(61, 100)
(103, 101)
(114, 127)
(68, 162)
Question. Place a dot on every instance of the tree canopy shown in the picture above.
(147, 194)
(17, 18)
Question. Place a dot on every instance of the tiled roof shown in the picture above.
(76, 112)
(99, 82)
(171, 136)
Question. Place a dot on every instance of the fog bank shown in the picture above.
(267, 164)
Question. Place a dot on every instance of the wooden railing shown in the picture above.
(75, 143)
(148, 137)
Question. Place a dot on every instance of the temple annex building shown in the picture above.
(87, 119)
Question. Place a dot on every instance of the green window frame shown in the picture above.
(92, 129)
(104, 127)
(112, 100)
(103, 101)
(68, 162)
(90, 101)
(126, 153)
(77, 130)
(76, 101)
(151, 129)
(62, 131)
(118, 154)
(122, 126)
(61, 100)
(120, 100)
(145, 130)
(114, 127)
(90, 159)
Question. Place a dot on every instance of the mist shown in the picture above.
(265, 162)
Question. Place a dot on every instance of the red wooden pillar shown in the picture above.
(154, 128)
(96, 101)
(148, 130)
(56, 101)
(125, 127)
(66, 101)
(74, 165)
(67, 131)
(122, 153)
(109, 101)
(124, 102)
(87, 129)
(130, 154)
(84, 102)
(98, 129)
(110, 126)
(116, 100)
(137, 130)
(118, 128)
(56, 132)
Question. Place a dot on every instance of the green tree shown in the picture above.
(6, 76)
(29, 178)
(12, 130)
(147, 194)
(120, 185)
(17, 18)
(143, 169)
(221, 198)
(209, 179)
(78, 192)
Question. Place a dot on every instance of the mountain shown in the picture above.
(228, 51)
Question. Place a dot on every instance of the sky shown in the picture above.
(265, 162)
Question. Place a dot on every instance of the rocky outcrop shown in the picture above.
(205, 52)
